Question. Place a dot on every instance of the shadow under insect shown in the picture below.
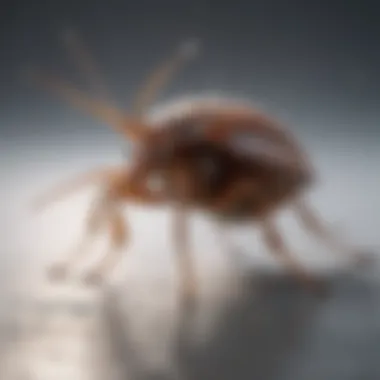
(276, 331)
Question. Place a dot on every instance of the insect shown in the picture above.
(219, 156)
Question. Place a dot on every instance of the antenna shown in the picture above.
(161, 75)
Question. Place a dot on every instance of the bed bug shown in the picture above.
(216, 155)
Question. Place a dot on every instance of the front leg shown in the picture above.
(95, 220)
(118, 235)
(128, 187)
(119, 185)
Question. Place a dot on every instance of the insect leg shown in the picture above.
(101, 176)
(181, 189)
(314, 224)
(95, 219)
(276, 244)
(185, 266)
(118, 237)
(130, 188)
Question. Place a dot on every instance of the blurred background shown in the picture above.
(314, 65)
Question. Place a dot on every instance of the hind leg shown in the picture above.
(315, 226)
(276, 244)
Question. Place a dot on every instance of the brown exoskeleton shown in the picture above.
(218, 156)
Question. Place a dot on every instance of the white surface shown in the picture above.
(55, 343)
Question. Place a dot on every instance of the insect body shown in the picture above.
(217, 156)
